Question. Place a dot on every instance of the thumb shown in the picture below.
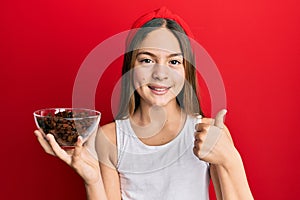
(219, 121)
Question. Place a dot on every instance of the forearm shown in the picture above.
(216, 181)
(95, 191)
(232, 179)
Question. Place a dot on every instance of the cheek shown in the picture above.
(179, 78)
(139, 77)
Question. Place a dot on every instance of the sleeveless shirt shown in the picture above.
(166, 172)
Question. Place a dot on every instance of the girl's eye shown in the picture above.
(175, 62)
(146, 60)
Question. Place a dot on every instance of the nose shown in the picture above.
(160, 72)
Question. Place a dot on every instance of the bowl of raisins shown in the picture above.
(66, 124)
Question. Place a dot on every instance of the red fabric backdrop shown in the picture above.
(255, 44)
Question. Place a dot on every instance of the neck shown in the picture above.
(147, 114)
(157, 125)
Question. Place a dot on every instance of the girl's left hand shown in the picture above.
(213, 142)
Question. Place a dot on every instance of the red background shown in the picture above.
(255, 44)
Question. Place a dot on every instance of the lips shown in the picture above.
(159, 90)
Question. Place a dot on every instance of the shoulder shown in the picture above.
(109, 131)
(105, 145)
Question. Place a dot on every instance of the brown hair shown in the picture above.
(187, 98)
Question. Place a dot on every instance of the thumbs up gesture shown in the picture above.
(213, 142)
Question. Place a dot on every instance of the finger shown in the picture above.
(78, 147)
(201, 127)
(79, 142)
(197, 143)
(77, 150)
(219, 121)
(209, 121)
(200, 137)
(196, 151)
(59, 152)
(44, 143)
(198, 119)
(202, 121)
(39, 134)
(211, 139)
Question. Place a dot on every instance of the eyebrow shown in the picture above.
(153, 55)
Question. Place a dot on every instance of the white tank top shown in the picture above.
(166, 172)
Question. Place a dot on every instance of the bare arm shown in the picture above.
(216, 182)
(233, 181)
(111, 182)
(106, 147)
(229, 179)
(213, 144)
(95, 191)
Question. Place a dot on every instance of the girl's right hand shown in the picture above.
(213, 142)
(79, 158)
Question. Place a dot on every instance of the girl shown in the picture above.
(154, 150)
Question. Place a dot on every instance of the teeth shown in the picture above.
(159, 89)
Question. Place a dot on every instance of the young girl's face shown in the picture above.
(158, 70)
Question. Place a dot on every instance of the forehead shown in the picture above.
(162, 39)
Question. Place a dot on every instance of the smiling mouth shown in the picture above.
(159, 90)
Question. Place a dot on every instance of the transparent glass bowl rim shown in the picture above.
(97, 113)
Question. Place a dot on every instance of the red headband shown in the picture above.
(162, 12)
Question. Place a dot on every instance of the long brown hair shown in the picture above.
(188, 96)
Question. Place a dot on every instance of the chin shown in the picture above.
(162, 103)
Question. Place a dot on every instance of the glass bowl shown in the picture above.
(66, 124)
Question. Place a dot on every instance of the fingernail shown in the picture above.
(48, 137)
(35, 133)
